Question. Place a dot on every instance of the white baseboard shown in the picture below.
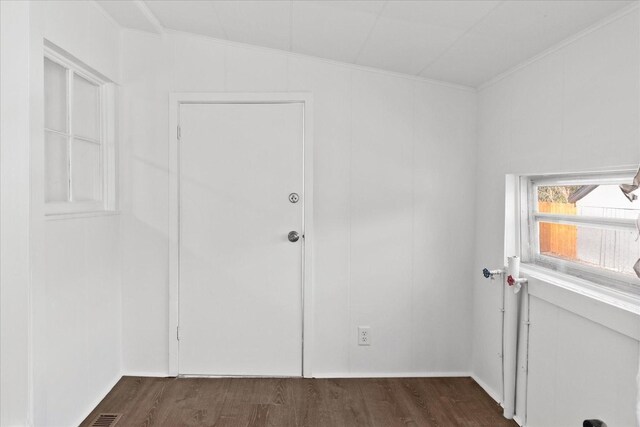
(517, 419)
(336, 374)
(391, 374)
(491, 392)
(146, 374)
(496, 396)
(97, 401)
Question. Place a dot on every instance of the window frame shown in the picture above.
(106, 139)
(530, 219)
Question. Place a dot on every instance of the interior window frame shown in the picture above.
(105, 139)
(531, 218)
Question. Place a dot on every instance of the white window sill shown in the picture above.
(78, 215)
(616, 310)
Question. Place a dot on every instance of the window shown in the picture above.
(78, 133)
(583, 225)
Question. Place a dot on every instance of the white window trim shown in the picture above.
(107, 103)
(619, 311)
(527, 238)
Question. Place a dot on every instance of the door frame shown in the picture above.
(175, 100)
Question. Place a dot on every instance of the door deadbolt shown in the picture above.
(293, 236)
(293, 197)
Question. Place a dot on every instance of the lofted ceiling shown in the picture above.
(463, 42)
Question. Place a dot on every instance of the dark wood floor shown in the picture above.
(300, 402)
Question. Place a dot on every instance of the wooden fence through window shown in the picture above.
(558, 239)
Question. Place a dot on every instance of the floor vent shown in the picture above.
(106, 420)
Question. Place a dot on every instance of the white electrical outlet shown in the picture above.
(364, 335)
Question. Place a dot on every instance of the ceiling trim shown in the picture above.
(326, 60)
(106, 14)
(151, 17)
(561, 45)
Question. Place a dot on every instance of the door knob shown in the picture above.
(293, 236)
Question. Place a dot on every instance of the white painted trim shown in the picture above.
(97, 401)
(518, 421)
(490, 391)
(81, 215)
(174, 232)
(107, 139)
(144, 9)
(149, 15)
(521, 222)
(57, 54)
(511, 217)
(599, 306)
(110, 104)
(420, 374)
(454, 374)
(106, 14)
(324, 60)
(147, 374)
(62, 209)
(307, 285)
(175, 99)
(561, 45)
(213, 376)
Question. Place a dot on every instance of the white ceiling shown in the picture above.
(464, 42)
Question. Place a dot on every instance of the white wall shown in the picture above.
(388, 149)
(576, 109)
(14, 214)
(76, 270)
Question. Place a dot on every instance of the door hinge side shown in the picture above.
(179, 132)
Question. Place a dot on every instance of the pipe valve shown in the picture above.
(513, 281)
(488, 274)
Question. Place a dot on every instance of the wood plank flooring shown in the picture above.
(380, 402)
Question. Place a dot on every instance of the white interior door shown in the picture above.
(240, 285)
